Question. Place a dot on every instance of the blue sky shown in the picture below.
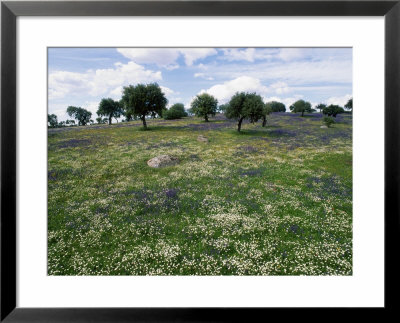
(83, 76)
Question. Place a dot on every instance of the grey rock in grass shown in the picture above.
(324, 127)
(202, 138)
(162, 161)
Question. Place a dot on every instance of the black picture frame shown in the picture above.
(10, 10)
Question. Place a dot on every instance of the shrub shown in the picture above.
(328, 121)
(177, 111)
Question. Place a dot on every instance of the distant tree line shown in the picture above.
(333, 109)
(142, 101)
(53, 122)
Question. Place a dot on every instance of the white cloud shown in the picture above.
(163, 57)
(202, 66)
(280, 87)
(188, 104)
(289, 54)
(92, 106)
(123, 74)
(116, 93)
(249, 54)
(171, 67)
(104, 82)
(166, 57)
(193, 54)
(167, 91)
(300, 73)
(204, 76)
(60, 110)
(340, 100)
(61, 83)
(171, 95)
(223, 92)
(238, 54)
(253, 54)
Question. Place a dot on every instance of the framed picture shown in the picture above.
(198, 157)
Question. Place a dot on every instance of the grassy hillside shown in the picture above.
(267, 201)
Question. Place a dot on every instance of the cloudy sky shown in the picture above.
(83, 76)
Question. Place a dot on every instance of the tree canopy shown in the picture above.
(245, 106)
(301, 106)
(333, 110)
(204, 105)
(277, 106)
(52, 120)
(109, 108)
(320, 107)
(82, 115)
(349, 105)
(143, 100)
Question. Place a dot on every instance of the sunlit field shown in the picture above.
(266, 201)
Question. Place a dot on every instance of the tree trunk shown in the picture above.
(144, 121)
(206, 117)
(264, 121)
(109, 119)
(240, 124)
(302, 113)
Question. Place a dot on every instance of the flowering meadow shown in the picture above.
(266, 201)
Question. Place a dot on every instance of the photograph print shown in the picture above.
(200, 161)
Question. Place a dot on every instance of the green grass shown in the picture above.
(267, 201)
